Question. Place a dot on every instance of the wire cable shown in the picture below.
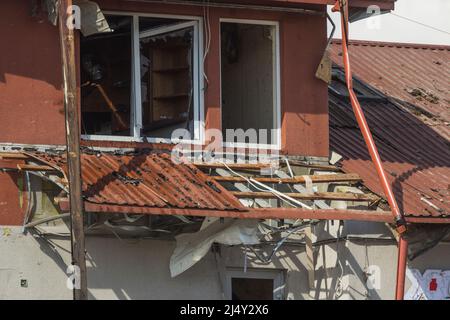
(278, 194)
(420, 23)
(207, 28)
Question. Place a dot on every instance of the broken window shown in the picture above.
(167, 78)
(249, 73)
(106, 80)
(142, 79)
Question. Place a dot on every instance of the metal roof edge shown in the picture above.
(405, 45)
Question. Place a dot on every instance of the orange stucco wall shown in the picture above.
(31, 97)
(304, 99)
(31, 109)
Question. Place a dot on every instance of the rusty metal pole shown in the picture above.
(342, 6)
(401, 268)
(67, 39)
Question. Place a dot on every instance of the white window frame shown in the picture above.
(276, 275)
(136, 99)
(276, 85)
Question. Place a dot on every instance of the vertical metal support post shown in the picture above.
(401, 268)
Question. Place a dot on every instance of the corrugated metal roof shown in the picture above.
(412, 73)
(416, 158)
(146, 180)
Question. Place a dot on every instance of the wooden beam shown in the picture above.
(234, 166)
(69, 69)
(297, 163)
(351, 177)
(260, 213)
(320, 204)
(310, 196)
(324, 214)
(62, 181)
(244, 188)
(33, 167)
(13, 155)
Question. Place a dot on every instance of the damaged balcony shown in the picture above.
(150, 183)
(145, 194)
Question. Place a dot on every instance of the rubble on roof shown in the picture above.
(413, 75)
(138, 182)
(415, 156)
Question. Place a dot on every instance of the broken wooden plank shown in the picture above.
(302, 189)
(62, 181)
(13, 155)
(350, 177)
(260, 213)
(243, 187)
(252, 213)
(310, 165)
(234, 166)
(33, 167)
(310, 196)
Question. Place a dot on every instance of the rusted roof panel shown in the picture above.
(146, 180)
(416, 158)
(412, 73)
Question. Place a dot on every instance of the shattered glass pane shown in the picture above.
(106, 79)
(166, 57)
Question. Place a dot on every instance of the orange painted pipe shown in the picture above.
(401, 268)
(342, 6)
(364, 127)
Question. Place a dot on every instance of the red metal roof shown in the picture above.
(412, 73)
(416, 158)
(383, 4)
(145, 180)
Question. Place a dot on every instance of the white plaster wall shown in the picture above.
(385, 257)
(24, 257)
(127, 269)
(140, 270)
(123, 269)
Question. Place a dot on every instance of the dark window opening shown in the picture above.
(252, 289)
(106, 80)
(248, 72)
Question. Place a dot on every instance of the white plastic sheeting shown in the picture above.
(192, 247)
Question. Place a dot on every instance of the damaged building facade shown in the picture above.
(306, 221)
